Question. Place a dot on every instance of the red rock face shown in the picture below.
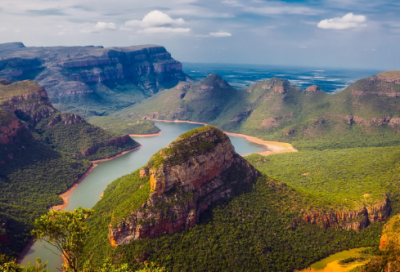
(356, 220)
(13, 132)
(279, 89)
(184, 189)
(313, 88)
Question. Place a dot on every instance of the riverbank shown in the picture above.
(68, 192)
(65, 195)
(272, 146)
(144, 135)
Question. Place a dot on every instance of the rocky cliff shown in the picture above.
(25, 108)
(115, 77)
(194, 171)
(356, 220)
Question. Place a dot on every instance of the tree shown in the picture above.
(9, 265)
(65, 230)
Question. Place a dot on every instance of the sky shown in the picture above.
(326, 33)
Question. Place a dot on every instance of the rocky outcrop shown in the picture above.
(12, 130)
(66, 119)
(355, 220)
(26, 99)
(277, 85)
(194, 171)
(313, 88)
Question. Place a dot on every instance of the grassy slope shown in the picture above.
(341, 179)
(315, 120)
(196, 103)
(124, 125)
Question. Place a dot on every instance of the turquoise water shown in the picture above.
(89, 191)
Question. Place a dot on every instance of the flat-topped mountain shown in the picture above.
(182, 180)
(92, 80)
(42, 153)
(364, 114)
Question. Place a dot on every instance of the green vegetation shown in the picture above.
(186, 146)
(66, 231)
(354, 117)
(253, 231)
(30, 183)
(74, 139)
(351, 260)
(124, 125)
(38, 161)
(341, 179)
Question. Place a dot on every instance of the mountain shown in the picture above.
(124, 125)
(42, 153)
(198, 206)
(364, 114)
(92, 80)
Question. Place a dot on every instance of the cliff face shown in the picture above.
(356, 220)
(24, 106)
(76, 75)
(194, 171)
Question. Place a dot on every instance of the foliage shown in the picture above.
(66, 231)
(124, 125)
(342, 179)
(80, 137)
(10, 265)
(308, 120)
(30, 183)
(351, 260)
(253, 231)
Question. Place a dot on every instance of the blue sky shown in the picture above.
(328, 33)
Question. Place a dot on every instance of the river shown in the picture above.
(89, 191)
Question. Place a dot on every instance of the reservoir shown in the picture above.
(89, 191)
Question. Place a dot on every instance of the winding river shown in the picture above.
(90, 190)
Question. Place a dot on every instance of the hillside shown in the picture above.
(42, 153)
(92, 80)
(267, 224)
(124, 125)
(364, 114)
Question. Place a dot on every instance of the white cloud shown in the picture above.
(153, 30)
(100, 26)
(220, 34)
(347, 21)
(155, 18)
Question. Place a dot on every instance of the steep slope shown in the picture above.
(42, 153)
(364, 114)
(202, 101)
(92, 80)
(194, 200)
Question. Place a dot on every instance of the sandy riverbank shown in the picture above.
(272, 146)
(65, 195)
(144, 135)
(179, 121)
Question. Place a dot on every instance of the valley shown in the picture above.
(194, 175)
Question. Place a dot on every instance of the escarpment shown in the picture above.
(199, 168)
(355, 220)
(25, 109)
(92, 77)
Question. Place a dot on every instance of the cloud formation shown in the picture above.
(155, 18)
(100, 26)
(157, 22)
(220, 34)
(349, 20)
